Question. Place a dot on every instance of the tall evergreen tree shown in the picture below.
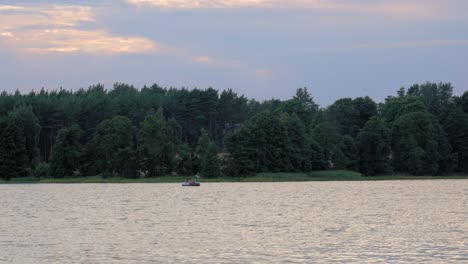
(13, 154)
(151, 141)
(464, 102)
(28, 121)
(303, 96)
(436, 97)
(208, 156)
(269, 136)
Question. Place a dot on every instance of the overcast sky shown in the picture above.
(261, 48)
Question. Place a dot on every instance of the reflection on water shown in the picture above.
(318, 222)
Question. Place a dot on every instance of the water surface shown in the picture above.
(312, 222)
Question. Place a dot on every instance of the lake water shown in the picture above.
(313, 222)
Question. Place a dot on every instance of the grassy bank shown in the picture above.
(338, 175)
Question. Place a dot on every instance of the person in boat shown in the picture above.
(197, 178)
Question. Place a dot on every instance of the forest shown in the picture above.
(155, 131)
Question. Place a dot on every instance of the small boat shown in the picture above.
(190, 184)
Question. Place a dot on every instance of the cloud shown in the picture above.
(393, 8)
(349, 48)
(203, 60)
(403, 44)
(73, 41)
(55, 29)
(10, 7)
(45, 15)
(263, 72)
(6, 34)
(190, 4)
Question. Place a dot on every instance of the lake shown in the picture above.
(302, 222)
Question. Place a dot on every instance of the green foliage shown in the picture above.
(325, 133)
(301, 105)
(305, 98)
(19, 133)
(395, 107)
(183, 160)
(259, 146)
(269, 139)
(348, 154)
(456, 127)
(463, 102)
(242, 153)
(366, 108)
(42, 170)
(125, 133)
(66, 152)
(115, 147)
(13, 153)
(447, 159)
(415, 145)
(151, 141)
(373, 143)
(317, 156)
(297, 146)
(232, 108)
(350, 115)
(29, 123)
(297, 108)
(343, 116)
(437, 97)
(208, 156)
(158, 140)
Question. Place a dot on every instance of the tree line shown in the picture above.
(155, 131)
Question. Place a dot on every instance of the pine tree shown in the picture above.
(208, 155)
(151, 141)
(13, 155)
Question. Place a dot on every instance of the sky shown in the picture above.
(260, 48)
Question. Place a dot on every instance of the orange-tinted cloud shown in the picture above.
(10, 7)
(71, 41)
(190, 4)
(204, 60)
(54, 29)
(395, 8)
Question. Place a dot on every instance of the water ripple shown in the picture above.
(316, 222)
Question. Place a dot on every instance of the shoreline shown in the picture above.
(260, 177)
